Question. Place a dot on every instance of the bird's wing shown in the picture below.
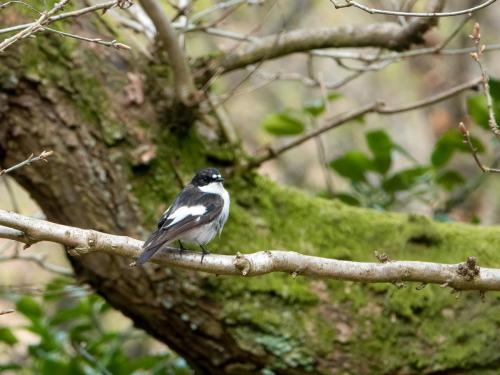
(191, 209)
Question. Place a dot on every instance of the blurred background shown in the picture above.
(413, 161)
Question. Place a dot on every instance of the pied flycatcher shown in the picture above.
(197, 214)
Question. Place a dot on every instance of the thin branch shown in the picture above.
(90, 359)
(356, 4)
(431, 99)
(462, 276)
(111, 43)
(3, 312)
(40, 261)
(476, 56)
(184, 84)
(384, 35)
(12, 195)
(29, 6)
(75, 13)
(377, 107)
(467, 139)
(43, 156)
(401, 55)
(34, 27)
(222, 6)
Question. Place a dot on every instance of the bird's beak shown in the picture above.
(220, 179)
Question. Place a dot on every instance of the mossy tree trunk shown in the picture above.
(77, 100)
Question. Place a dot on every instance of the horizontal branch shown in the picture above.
(376, 107)
(463, 276)
(389, 35)
(356, 4)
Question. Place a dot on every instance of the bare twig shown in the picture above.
(184, 84)
(3, 312)
(319, 140)
(43, 156)
(260, 263)
(476, 56)
(222, 6)
(12, 2)
(90, 359)
(75, 13)
(40, 261)
(112, 43)
(377, 107)
(34, 27)
(402, 55)
(356, 4)
(467, 139)
(431, 99)
(12, 195)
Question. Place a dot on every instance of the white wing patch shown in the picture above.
(185, 211)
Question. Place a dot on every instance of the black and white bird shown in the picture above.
(196, 216)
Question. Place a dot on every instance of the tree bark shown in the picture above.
(76, 100)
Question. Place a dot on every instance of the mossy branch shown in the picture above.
(463, 276)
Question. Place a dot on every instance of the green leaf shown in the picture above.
(360, 119)
(348, 199)
(334, 95)
(450, 142)
(353, 165)
(382, 164)
(4, 367)
(404, 180)
(282, 124)
(449, 179)
(7, 336)
(29, 307)
(478, 109)
(379, 142)
(381, 145)
(494, 89)
(315, 107)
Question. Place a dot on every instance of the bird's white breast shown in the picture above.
(218, 188)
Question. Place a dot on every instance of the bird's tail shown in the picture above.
(150, 247)
(147, 254)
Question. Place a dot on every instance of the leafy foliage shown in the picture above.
(374, 186)
(293, 122)
(477, 107)
(283, 123)
(71, 338)
(449, 143)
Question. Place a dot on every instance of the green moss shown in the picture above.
(391, 329)
(296, 320)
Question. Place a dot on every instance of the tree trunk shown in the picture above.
(77, 100)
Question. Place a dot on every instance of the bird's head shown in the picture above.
(207, 176)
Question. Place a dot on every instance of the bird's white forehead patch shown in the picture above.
(185, 211)
(214, 176)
